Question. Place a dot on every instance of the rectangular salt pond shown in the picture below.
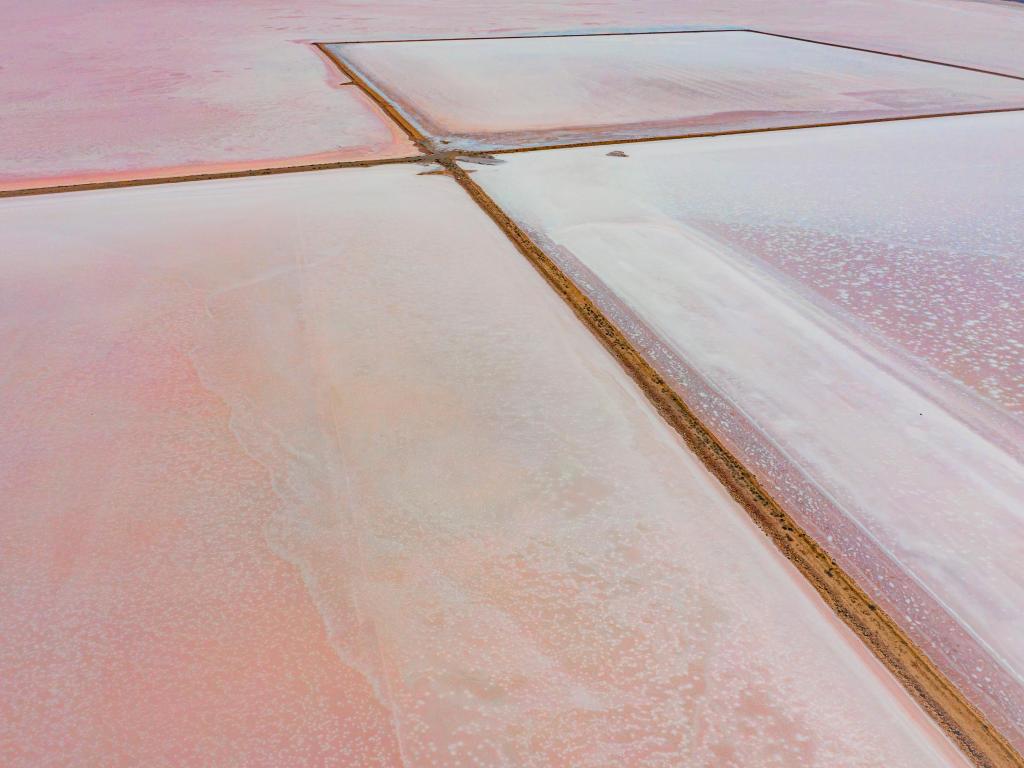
(843, 307)
(506, 93)
(315, 468)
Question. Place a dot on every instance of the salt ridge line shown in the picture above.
(741, 131)
(429, 149)
(390, 109)
(273, 171)
(443, 156)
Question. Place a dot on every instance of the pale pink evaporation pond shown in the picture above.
(842, 306)
(503, 94)
(96, 91)
(291, 477)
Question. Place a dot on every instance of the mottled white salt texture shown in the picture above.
(493, 94)
(170, 87)
(853, 295)
(316, 469)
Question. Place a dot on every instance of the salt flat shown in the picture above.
(97, 92)
(295, 476)
(841, 306)
(521, 92)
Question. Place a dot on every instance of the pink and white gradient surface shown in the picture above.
(110, 90)
(842, 306)
(291, 477)
(522, 92)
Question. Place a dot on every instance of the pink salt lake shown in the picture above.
(516, 92)
(94, 90)
(842, 306)
(294, 478)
